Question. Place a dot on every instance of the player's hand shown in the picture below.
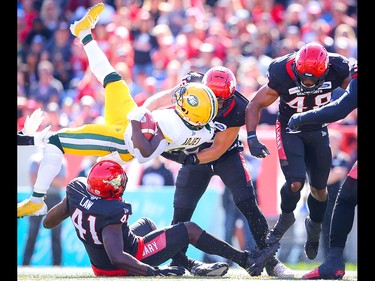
(192, 76)
(181, 157)
(33, 122)
(256, 148)
(167, 270)
(42, 138)
(137, 113)
(295, 122)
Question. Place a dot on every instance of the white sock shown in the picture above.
(83, 34)
(36, 199)
(49, 168)
(99, 64)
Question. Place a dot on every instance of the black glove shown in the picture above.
(256, 148)
(295, 122)
(166, 270)
(181, 157)
(193, 76)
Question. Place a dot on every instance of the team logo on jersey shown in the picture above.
(220, 126)
(193, 100)
(297, 91)
(326, 85)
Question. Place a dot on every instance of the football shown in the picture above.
(148, 126)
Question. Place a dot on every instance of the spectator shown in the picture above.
(53, 197)
(47, 88)
(157, 174)
(144, 43)
(50, 13)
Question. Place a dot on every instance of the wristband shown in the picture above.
(251, 134)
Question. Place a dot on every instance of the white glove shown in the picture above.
(33, 122)
(137, 113)
(42, 138)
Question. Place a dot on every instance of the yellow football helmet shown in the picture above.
(196, 104)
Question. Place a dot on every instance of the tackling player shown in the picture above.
(222, 156)
(186, 127)
(301, 81)
(100, 218)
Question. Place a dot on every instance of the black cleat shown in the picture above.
(313, 230)
(285, 221)
(257, 258)
(209, 269)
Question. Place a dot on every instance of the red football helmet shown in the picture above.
(222, 82)
(311, 63)
(107, 179)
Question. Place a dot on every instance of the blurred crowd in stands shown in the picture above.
(154, 43)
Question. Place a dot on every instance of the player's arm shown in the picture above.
(24, 139)
(222, 141)
(146, 147)
(329, 113)
(264, 97)
(56, 215)
(114, 245)
(163, 99)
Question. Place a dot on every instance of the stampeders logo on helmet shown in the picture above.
(116, 183)
(193, 100)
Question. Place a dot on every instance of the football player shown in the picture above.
(184, 128)
(222, 156)
(301, 81)
(100, 218)
(342, 219)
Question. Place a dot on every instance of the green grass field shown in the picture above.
(85, 274)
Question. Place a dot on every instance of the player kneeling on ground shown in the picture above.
(100, 218)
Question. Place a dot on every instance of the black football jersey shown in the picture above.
(233, 117)
(90, 214)
(292, 100)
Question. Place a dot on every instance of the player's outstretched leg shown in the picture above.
(28, 208)
(88, 21)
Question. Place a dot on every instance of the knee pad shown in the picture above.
(289, 199)
(150, 223)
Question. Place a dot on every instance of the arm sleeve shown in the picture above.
(24, 139)
(335, 110)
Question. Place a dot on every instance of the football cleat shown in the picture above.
(285, 221)
(257, 258)
(313, 230)
(324, 271)
(209, 269)
(88, 21)
(28, 208)
(278, 270)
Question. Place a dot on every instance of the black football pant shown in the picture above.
(192, 181)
